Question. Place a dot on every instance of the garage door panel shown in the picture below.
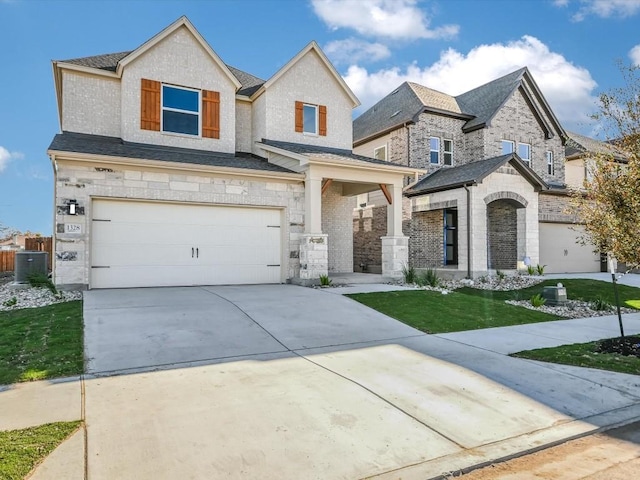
(561, 253)
(150, 244)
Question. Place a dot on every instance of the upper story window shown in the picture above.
(508, 147)
(524, 152)
(311, 119)
(550, 168)
(447, 152)
(180, 110)
(380, 153)
(434, 150)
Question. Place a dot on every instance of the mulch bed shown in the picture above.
(629, 346)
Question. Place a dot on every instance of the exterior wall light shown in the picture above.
(72, 207)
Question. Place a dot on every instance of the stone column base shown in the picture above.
(395, 256)
(314, 258)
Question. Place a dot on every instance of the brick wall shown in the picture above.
(369, 224)
(337, 222)
(426, 238)
(555, 208)
(502, 235)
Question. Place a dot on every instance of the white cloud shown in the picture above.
(6, 156)
(396, 19)
(568, 88)
(634, 55)
(603, 8)
(354, 50)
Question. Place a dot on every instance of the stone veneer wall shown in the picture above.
(337, 223)
(82, 182)
(502, 235)
(426, 239)
(369, 224)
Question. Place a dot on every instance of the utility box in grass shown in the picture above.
(555, 295)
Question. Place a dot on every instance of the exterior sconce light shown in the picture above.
(72, 207)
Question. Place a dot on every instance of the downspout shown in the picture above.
(466, 187)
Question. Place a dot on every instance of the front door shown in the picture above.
(450, 237)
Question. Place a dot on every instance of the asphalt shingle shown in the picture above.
(116, 147)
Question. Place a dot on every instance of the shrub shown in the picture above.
(11, 302)
(600, 304)
(325, 281)
(538, 301)
(409, 274)
(501, 275)
(40, 280)
(430, 277)
(531, 270)
(540, 269)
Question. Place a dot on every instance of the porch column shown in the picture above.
(395, 246)
(314, 252)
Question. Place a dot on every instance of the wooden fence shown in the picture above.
(7, 260)
(38, 244)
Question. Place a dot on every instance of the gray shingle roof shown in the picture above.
(325, 152)
(109, 62)
(471, 174)
(484, 101)
(579, 144)
(116, 147)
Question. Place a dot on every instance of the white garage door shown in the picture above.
(140, 244)
(560, 252)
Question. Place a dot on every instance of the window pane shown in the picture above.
(434, 143)
(179, 122)
(524, 151)
(380, 153)
(448, 158)
(310, 119)
(434, 157)
(180, 99)
(507, 147)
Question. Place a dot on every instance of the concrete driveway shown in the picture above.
(285, 382)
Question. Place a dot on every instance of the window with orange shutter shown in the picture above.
(311, 119)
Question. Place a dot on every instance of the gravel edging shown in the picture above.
(32, 297)
(572, 309)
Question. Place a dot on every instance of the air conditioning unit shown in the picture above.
(28, 263)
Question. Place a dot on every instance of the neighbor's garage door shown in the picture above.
(140, 244)
(560, 252)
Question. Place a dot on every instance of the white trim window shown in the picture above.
(447, 152)
(508, 147)
(310, 119)
(550, 166)
(380, 153)
(434, 150)
(180, 110)
(524, 152)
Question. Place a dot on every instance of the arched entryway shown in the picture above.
(505, 230)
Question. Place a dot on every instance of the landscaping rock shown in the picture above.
(32, 297)
(571, 309)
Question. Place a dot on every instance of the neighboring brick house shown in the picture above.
(496, 157)
(174, 168)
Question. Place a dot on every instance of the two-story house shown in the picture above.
(496, 160)
(174, 168)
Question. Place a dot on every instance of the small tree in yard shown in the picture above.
(609, 203)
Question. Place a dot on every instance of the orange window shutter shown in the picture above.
(322, 120)
(150, 105)
(299, 117)
(210, 114)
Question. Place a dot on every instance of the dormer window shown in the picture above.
(310, 119)
(180, 110)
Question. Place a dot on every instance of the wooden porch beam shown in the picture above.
(326, 184)
(386, 193)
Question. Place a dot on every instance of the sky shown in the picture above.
(572, 48)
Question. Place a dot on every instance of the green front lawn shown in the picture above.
(432, 312)
(471, 309)
(22, 450)
(584, 355)
(39, 343)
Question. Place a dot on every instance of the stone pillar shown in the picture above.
(395, 255)
(314, 258)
